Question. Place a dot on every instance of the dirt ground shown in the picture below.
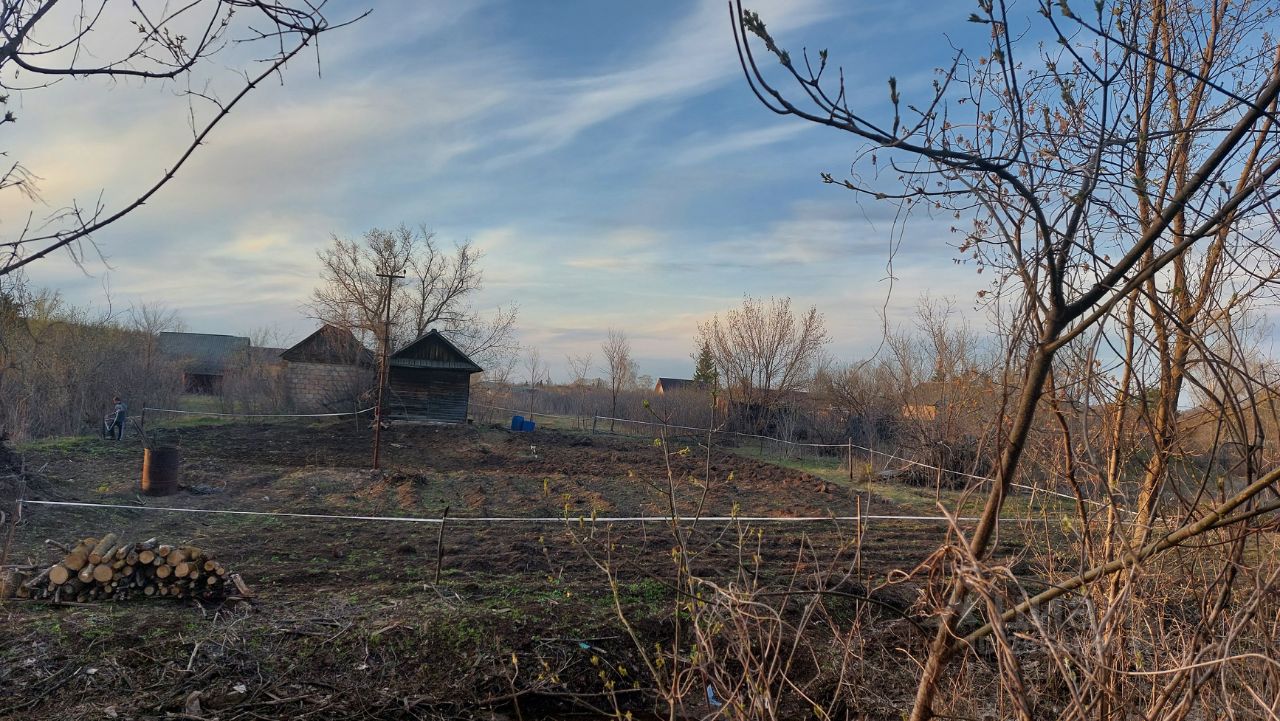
(350, 621)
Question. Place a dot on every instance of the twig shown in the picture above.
(57, 546)
(4, 712)
(191, 661)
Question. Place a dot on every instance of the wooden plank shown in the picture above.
(433, 395)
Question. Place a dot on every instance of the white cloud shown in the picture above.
(706, 147)
(693, 57)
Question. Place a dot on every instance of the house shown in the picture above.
(676, 385)
(951, 400)
(329, 371)
(430, 380)
(205, 358)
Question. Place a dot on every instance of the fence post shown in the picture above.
(850, 459)
(594, 418)
(440, 544)
(17, 512)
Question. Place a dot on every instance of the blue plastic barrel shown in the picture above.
(517, 423)
(528, 427)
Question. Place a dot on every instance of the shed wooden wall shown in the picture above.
(432, 395)
(326, 387)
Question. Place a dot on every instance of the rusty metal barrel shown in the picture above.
(160, 471)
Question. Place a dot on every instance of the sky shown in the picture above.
(608, 158)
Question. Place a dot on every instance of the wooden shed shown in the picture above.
(206, 358)
(430, 380)
(329, 371)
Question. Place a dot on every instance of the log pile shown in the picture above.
(108, 569)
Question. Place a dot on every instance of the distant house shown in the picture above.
(430, 380)
(205, 358)
(328, 371)
(953, 400)
(675, 385)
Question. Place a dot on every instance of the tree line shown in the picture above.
(61, 365)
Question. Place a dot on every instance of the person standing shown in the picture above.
(115, 420)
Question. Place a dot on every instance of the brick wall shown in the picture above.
(326, 387)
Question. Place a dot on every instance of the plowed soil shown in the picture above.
(350, 620)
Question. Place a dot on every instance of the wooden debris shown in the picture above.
(109, 569)
(100, 551)
(241, 587)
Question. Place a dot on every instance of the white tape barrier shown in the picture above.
(520, 412)
(502, 519)
(1066, 496)
(865, 449)
(260, 415)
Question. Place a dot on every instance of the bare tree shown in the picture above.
(494, 387)
(867, 397)
(150, 320)
(579, 369)
(619, 368)
(489, 340)
(536, 372)
(764, 353)
(436, 291)
(44, 44)
(1118, 165)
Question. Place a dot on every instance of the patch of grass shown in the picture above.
(917, 499)
(646, 592)
(86, 445)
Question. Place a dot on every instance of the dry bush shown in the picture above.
(1115, 166)
(60, 366)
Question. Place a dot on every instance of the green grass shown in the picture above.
(196, 402)
(919, 499)
(646, 592)
(80, 445)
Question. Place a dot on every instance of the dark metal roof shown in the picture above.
(434, 351)
(205, 353)
(680, 384)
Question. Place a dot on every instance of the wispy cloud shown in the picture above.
(693, 57)
(704, 147)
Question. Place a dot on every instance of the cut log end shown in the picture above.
(59, 574)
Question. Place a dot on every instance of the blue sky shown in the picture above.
(608, 158)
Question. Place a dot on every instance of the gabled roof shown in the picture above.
(205, 353)
(435, 352)
(680, 384)
(330, 344)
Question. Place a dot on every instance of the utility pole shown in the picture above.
(382, 365)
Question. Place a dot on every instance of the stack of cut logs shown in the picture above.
(100, 569)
